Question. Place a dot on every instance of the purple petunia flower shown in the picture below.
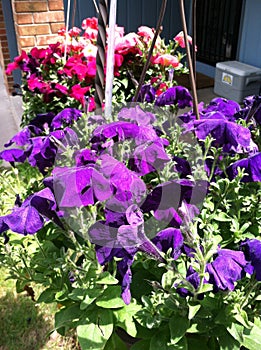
(250, 165)
(252, 108)
(227, 268)
(227, 107)
(175, 95)
(120, 130)
(124, 268)
(182, 166)
(42, 121)
(80, 186)
(21, 138)
(193, 278)
(148, 157)
(252, 251)
(28, 218)
(147, 93)
(137, 115)
(126, 183)
(66, 117)
(13, 155)
(85, 157)
(43, 149)
(169, 238)
(227, 134)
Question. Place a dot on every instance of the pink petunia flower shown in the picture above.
(91, 22)
(90, 51)
(75, 31)
(127, 44)
(146, 32)
(79, 92)
(179, 38)
(168, 60)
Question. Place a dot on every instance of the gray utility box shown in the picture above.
(235, 80)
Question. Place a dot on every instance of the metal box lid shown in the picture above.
(238, 68)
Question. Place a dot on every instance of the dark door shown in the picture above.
(218, 24)
(133, 13)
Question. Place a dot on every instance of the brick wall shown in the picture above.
(37, 22)
(4, 52)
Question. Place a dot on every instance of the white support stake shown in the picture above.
(110, 59)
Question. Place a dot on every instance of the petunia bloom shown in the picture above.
(250, 165)
(252, 251)
(179, 38)
(169, 238)
(226, 269)
(28, 217)
(65, 117)
(227, 134)
(175, 95)
(148, 157)
(167, 60)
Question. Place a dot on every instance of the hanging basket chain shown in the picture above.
(100, 58)
(194, 37)
(191, 70)
(146, 66)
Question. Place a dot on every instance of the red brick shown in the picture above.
(55, 5)
(25, 18)
(57, 26)
(27, 41)
(34, 6)
(34, 30)
(47, 17)
(46, 40)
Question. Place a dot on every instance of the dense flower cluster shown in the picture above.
(98, 176)
(62, 75)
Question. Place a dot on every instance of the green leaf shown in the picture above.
(77, 294)
(96, 330)
(236, 330)
(90, 296)
(141, 345)
(193, 309)
(167, 280)
(197, 343)
(106, 278)
(115, 343)
(125, 320)
(160, 340)
(222, 217)
(111, 298)
(67, 317)
(206, 288)
(47, 296)
(181, 345)
(178, 326)
(227, 342)
(252, 338)
(241, 316)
